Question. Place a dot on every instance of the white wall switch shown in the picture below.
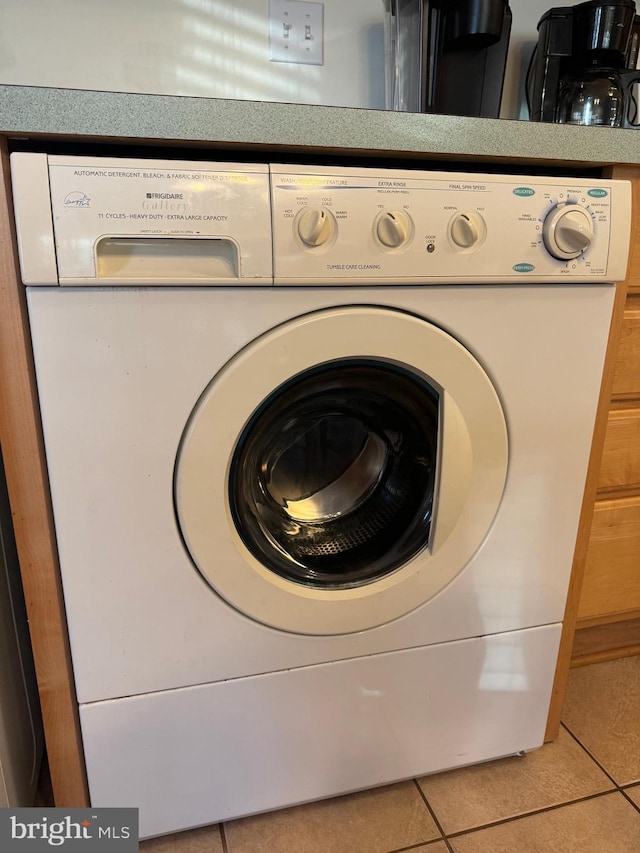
(296, 32)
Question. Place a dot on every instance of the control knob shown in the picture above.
(467, 229)
(393, 229)
(315, 226)
(567, 231)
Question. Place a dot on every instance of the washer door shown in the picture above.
(341, 470)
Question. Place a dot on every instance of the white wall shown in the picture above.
(214, 48)
(210, 48)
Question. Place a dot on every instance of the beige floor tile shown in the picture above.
(206, 839)
(432, 847)
(634, 794)
(484, 793)
(602, 709)
(368, 822)
(607, 824)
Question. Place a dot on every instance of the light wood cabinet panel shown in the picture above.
(620, 467)
(28, 487)
(612, 571)
(608, 613)
(606, 642)
(626, 382)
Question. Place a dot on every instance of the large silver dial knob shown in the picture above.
(567, 231)
(467, 229)
(393, 229)
(315, 226)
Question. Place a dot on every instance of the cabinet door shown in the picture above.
(620, 467)
(612, 573)
(626, 383)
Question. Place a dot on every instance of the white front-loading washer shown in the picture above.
(317, 441)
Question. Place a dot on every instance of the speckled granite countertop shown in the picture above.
(33, 111)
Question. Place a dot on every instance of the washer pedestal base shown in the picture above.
(217, 751)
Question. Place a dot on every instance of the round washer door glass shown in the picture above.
(332, 480)
(340, 470)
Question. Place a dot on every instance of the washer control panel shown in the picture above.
(113, 222)
(344, 225)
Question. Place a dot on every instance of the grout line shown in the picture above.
(590, 754)
(623, 791)
(552, 808)
(223, 838)
(433, 815)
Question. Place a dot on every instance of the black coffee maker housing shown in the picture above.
(579, 47)
(447, 56)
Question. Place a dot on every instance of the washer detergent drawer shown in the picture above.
(202, 754)
(110, 222)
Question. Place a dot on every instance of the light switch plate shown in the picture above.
(296, 32)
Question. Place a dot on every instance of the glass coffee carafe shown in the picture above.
(599, 97)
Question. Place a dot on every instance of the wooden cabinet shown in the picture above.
(608, 615)
(626, 380)
(602, 615)
(620, 466)
(611, 586)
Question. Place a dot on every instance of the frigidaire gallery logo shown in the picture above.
(69, 829)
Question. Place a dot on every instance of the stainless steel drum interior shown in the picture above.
(332, 480)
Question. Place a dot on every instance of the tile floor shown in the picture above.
(580, 794)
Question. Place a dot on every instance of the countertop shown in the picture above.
(32, 112)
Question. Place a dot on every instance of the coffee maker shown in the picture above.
(446, 56)
(583, 69)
